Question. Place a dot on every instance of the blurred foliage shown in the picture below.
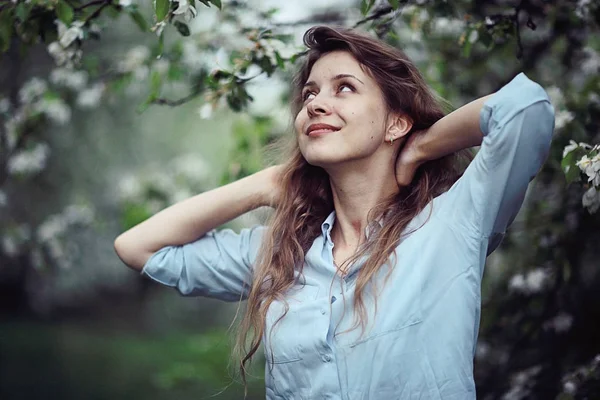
(538, 337)
(76, 363)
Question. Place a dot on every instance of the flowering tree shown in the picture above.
(532, 310)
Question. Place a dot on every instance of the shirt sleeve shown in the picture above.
(220, 264)
(517, 123)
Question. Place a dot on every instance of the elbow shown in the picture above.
(134, 259)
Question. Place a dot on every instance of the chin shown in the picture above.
(322, 160)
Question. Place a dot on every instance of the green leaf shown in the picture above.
(155, 84)
(486, 38)
(394, 3)
(161, 8)
(161, 44)
(6, 30)
(217, 3)
(133, 214)
(64, 12)
(365, 6)
(22, 11)
(280, 61)
(139, 20)
(182, 28)
(205, 2)
(572, 171)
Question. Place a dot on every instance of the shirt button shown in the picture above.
(326, 358)
(323, 311)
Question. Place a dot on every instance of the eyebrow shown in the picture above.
(335, 78)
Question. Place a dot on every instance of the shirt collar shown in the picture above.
(328, 224)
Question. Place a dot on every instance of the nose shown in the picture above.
(318, 106)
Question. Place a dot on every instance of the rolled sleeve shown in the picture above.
(517, 123)
(220, 264)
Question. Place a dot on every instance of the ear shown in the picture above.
(398, 126)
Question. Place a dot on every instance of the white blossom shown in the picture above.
(55, 109)
(533, 282)
(64, 56)
(448, 26)
(582, 8)
(52, 227)
(161, 66)
(9, 246)
(591, 64)
(90, 97)
(205, 111)
(562, 118)
(78, 214)
(560, 323)
(520, 383)
(32, 90)
(517, 283)
(192, 167)
(591, 167)
(75, 80)
(4, 105)
(125, 3)
(473, 36)
(29, 161)
(570, 147)
(185, 9)
(556, 96)
(56, 250)
(135, 57)
(66, 36)
(129, 187)
(58, 53)
(591, 200)
(536, 279)
(482, 350)
(570, 387)
(12, 128)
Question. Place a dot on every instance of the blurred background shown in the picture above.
(111, 110)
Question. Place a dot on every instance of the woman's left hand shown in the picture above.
(411, 157)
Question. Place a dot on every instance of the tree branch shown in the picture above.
(93, 3)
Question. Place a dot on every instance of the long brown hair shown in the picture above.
(308, 199)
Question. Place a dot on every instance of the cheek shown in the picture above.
(299, 122)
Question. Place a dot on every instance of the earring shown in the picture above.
(391, 140)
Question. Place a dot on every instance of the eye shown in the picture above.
(307, 94)
(343, 86)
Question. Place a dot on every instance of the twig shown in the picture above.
(96, 13)
(174, 103)
(376, 15)
(93, 3)
(519, 42)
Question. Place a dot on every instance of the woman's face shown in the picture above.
(343, 117)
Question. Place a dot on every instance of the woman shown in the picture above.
(374, 227)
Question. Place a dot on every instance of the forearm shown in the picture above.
(191, 218)
(456, 131)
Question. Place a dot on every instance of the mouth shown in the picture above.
(320, 129)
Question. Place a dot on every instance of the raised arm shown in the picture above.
(514, 127)
(192, 218)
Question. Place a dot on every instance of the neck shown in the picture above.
(358, 187)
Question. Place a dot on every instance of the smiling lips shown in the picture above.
(320, 129)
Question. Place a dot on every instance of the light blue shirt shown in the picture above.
(421, 342)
